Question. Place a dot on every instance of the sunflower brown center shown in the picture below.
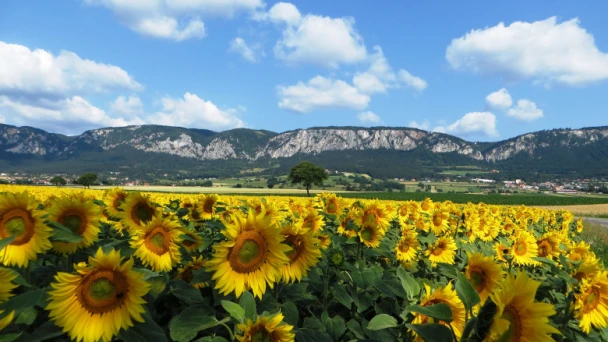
(74, 222)
(142, 213)
(514, 333)
(296, 244)
(102, 291)
(331, 208)
(478, 278)
(367, 234)
(592, 300)
(17, 223)
(157, 241)
(118, 201)
(249, 252)
(370, 218)
(437, 220)
(521, 248)
(261, 335)
(307, 223)
(404, 246)
(441, 246)
(544, 248)
(208, 206)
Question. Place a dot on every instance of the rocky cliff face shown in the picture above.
(253, 145)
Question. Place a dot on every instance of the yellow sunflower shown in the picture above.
(6, 284)
(518, 317)
(484, 274)
(439, 221)
(266, 328)
(503, 252)
(311, 220)
(371, 235)
(524, 249)
(267, 209)
(332, 204)
(251, 258)
(448, 296)
(373, 213)
(20, 217)
(137, 210)
(548, 245)
(592, 302)
(103, 298)
(408, 246)
(443, 250)
(343, 229)
(304, 253)
(156, 244)
(113, 199)
(185, 273)
(208, 206)
(324, 240)
(81, 216)
(193, 242)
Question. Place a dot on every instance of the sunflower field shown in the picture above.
(89, 265)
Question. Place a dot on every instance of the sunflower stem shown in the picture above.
(325, 285)
(229, 331)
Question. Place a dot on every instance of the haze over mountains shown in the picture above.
(380, 151)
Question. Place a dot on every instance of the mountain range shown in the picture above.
(147, 151)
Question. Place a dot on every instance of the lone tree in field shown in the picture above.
(87, 179)
(307, 174)
(57, 181)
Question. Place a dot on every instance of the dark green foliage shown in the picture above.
(87, 179)
(307, 174)
(57, 181)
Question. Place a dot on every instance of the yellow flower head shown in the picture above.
(484, 273)
(100, 300)
(592, 302)
(408, 246)
(20, 218)
(251, 258)
(445, 295)
(137, 210)
(157, 244)
(113, 199)
(443, 250)
(185, 273)
(266, 328)
(81, 216)
(305, 253)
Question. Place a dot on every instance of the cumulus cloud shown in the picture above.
(319, 93)
(424, 125)
(127, 106)
(68, 116)
(412, 81)
(369, 118)
(525, 110)
(238, 45)
(194, 112)
(39, 72)
(545, 51)
(173, 19)
(284, 12)
(499, 100)
(380, 77)
(474, 123)
(319, 40)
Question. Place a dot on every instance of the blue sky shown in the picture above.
(479, 70)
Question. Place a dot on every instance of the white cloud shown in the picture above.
(127, 106)
(322, 41)
(412, 81)
(379, 77)
(369, 118)
(525, 110)
(173, 19)
(424, 125)
(545, 51)
(474, 123)
(284, 12)
(194, 112)
(499, 100)
(39, 72)
(68, 116)
(238, 45)
(319, 93)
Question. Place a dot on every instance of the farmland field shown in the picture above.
(97, 265)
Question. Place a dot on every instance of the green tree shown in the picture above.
(307, 174)
(87, 179)
(57, 181)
